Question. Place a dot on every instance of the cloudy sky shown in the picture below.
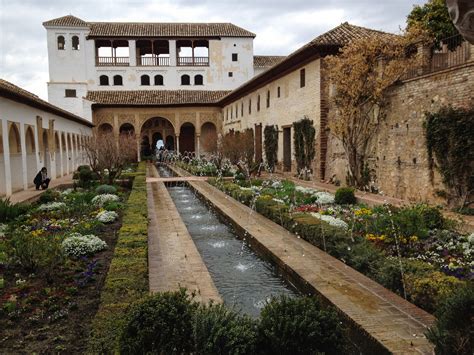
(281, 25)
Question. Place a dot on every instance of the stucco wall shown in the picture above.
(398, 150)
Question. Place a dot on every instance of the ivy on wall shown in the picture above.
(303, 139)
(450, 144)
(271, 145)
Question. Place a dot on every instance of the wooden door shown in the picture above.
(287, 148)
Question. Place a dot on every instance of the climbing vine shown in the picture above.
(305, 151)
(450, 144)
(271, 145)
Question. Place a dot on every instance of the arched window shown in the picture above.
(75, 43)
(185, 80)
(198, 80)
(118, 80)
(104, 80)
(145, 80)
(61, 43)
(159, 80)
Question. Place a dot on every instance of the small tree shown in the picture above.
(107, 156)
(239, 148)
(305, 151)
(271, 145)
(362, 75)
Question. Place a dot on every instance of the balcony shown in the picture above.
(112, 61)
(193, 61)
(153, 61)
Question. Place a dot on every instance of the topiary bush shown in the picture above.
(219, 330)
(106, 189)
(49, 196)
(453, 332)
(345, 196)
(159, 324)
(9, 211)
(299, 326)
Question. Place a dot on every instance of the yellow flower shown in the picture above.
(413, 238)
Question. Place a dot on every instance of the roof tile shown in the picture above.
(66, 21)
(265, 61)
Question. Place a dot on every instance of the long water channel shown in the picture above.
(244, 281)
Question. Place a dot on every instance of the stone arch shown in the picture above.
(187, 133)
(30, 141)
(105, 128)
(208, 137)
(16, 166)
(169, 143)
(150, 128)
(149, 122)
(127, 128)
(47, 158)
(155, 138)
(30, 154)
(14, 139)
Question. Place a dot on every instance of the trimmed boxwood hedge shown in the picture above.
(127, 278)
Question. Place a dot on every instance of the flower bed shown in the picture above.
(434, 258)
(53, 259)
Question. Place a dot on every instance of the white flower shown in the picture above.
(80, 245)
(276, 184)
(306, 190)
(278, 200)
(3, 229)
(51, 206)
(324, 198)
(246, 188)
(100, 200)
(470, 238)
(67, 192)
(335, 222)
(107, 216)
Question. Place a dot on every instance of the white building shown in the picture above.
(36, 134)
(93, 56)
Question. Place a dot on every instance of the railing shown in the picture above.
(451, 52)
(193, 61)
(154, 61)
(112, 61)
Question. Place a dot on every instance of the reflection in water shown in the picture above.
(243, 280)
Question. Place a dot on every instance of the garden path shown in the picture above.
(31, 195)
(394, 323)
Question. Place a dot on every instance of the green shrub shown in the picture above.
(218, 330)
(106, 189)
(432, 216)
(345, 196)
(113, 206)
(430, 290)
(9, 211)
(85, 176)
(299, 326)
(453, 332)
(49, 196)
(160, 324)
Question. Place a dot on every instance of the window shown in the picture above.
(198, 80)
(258, 103)
(185, 80)
(231, 113)
(278, 92)
(61, 43)
(242, 109)
(75, 43)
(250, 106)
(236, 110)
(235, 57)
(145, 80)
(159, 80)
(231, 74)
(268, 98)
(70, 93)
(302, 78)
(103, 80)
(118, 80)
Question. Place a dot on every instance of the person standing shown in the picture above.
(42, 179)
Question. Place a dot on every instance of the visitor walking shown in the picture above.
(42, 179)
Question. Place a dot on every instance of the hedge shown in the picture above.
(127, 278)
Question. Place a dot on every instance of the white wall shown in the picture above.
(23, 114)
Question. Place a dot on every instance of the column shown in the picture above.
(132, 52)
(61, 152)
(177, 142)
(6, 158)
(24, 168)
(173, 54)
(138, 135)
(198, 145)
(68, 153)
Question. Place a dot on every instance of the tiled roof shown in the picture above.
(66, 21)
(327, 43)
(155, 97)
(265, 61)
(15, 93)
(127, 29)
(148, 29)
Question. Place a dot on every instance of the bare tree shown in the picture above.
(107, 155)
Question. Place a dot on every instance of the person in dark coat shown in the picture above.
(41, 179)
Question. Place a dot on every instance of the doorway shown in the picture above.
(287, 148)
(258, 143)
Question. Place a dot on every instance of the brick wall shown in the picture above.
(398, 156)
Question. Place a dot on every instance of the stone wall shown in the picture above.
(398, 156)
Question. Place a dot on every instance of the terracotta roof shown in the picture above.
(265, 61)
(127, 29)
(326, 44)
(15, 93)
(155, 97)
(66, 21)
